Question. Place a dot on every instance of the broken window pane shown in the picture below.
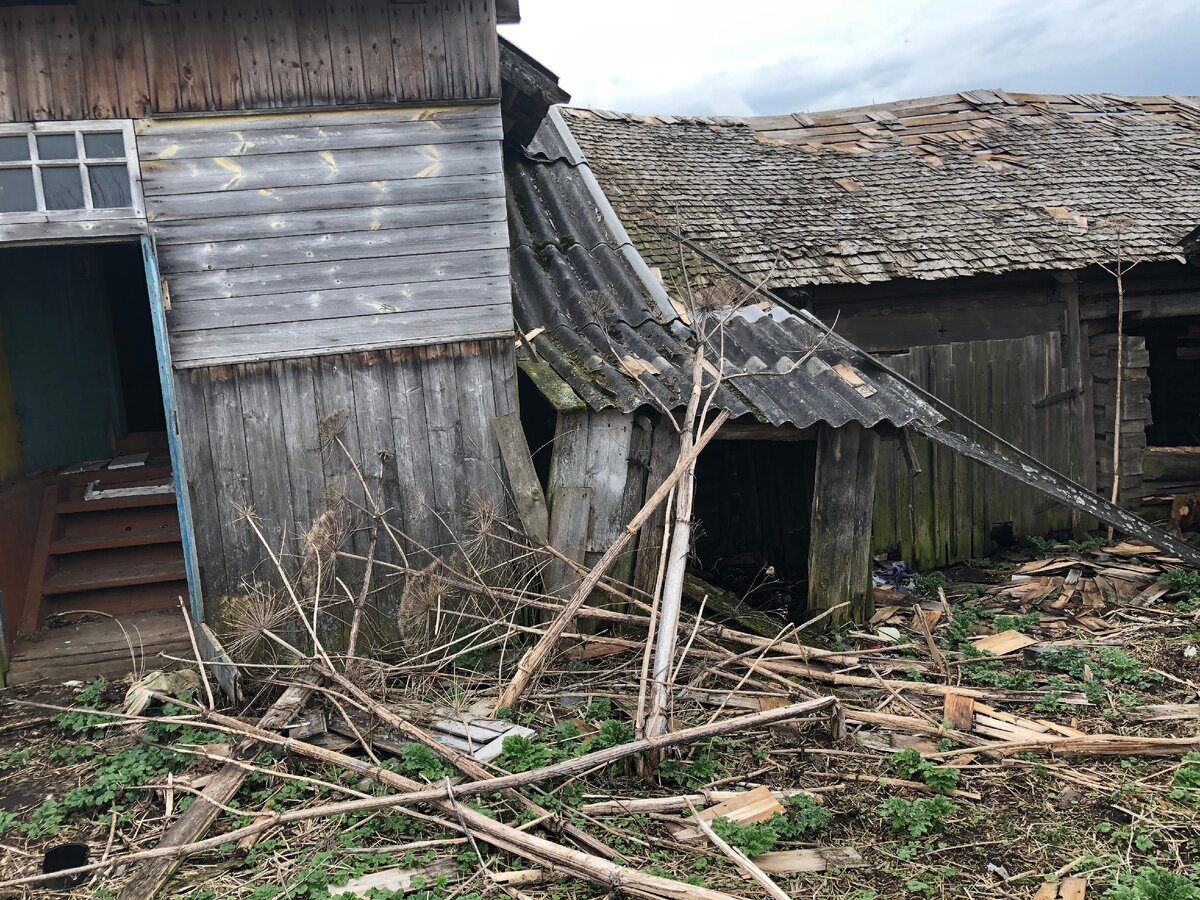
(13, 148)
(62, 187)
(16, 190)
(110, 186)
(56, 146)
(104, 144)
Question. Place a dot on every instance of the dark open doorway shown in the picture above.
(86, 483)
(753, 515)
(1173, 346)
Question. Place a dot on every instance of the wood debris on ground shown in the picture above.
(1029, 731)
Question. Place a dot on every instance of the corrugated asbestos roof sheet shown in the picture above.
(971, 183)
(613, 335)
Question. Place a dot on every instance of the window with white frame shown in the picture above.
(69, 170)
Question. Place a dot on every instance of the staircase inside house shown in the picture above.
(108, 542)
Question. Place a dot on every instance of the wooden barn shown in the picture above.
(971, 243)
(606, 367)
(230, 233)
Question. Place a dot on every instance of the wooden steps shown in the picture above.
(86, 649)
(62, 546)
(114, 555)
(94, 570)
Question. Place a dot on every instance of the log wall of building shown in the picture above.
(261, 436)
(99, 59)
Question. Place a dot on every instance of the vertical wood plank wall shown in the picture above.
(839, 552)
(606, 454)
(300, 234)
(259, 436)
(129, 59)
(946, 513)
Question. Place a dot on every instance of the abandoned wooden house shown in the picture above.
(969, 242)
(260, 266)
(225, 226)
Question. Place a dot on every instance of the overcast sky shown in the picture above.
(760, 57)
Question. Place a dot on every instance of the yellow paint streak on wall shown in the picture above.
(244, 147)
(10, 425)
(238, 173)
(327, 158)
(431, 152)
(167, 152)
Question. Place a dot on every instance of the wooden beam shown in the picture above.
(31, 612)
(522, 477)
(148, 880)
(753, 431)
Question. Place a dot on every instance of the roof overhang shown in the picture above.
(529, 90)
(508, 12)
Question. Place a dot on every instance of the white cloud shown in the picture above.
(772, 56)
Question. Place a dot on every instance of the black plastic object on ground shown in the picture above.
(62, 857)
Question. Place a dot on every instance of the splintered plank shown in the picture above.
(1004, 642)
(959, 711)
(753, 806)
(817, 859)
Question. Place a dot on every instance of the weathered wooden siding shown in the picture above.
(301, 234)
(597, 483)
(946, 513)
(839, 552)
(128, 58)
(261, 436)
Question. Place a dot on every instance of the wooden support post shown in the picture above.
(522, 478)
(839, 554)
(1079, 365)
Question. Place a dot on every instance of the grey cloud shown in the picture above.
(1103, 47)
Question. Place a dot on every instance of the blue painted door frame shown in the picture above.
(163, 352)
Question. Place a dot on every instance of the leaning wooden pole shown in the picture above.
(672, 586)
(535, 658)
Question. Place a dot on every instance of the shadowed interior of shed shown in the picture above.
(753, 519)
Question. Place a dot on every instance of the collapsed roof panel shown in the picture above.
(610, 331)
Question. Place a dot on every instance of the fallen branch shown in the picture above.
(198, 818)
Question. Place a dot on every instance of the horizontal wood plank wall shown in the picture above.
(261, 437)
(946, 513)
(128, 58)
(303, 234)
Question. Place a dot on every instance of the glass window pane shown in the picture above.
(62, 187)
(16, 190)
(104, 144)
(56, 146)
(14, 147)
(110, 186)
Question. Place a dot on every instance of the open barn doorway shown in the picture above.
(90, 519)
(753, 513)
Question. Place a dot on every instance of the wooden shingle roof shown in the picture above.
(978, 182)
